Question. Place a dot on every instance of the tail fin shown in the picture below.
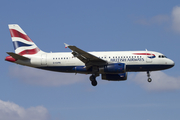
(23, 45)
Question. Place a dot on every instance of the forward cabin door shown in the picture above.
(44, 59)
(148, 57)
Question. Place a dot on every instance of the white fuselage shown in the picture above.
(134, 60)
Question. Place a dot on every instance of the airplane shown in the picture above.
(111, 65)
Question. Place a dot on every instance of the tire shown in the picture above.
(149, 80)
(92, 78)
(94, 83)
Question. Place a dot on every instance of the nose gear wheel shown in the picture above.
(148, 75)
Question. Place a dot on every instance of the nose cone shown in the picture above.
(170, 63)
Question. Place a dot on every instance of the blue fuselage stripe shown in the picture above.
(129, 68)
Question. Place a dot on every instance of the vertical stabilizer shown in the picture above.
(23, 45)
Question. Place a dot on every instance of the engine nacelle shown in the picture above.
(114, 77)
(81, 69)
(113, 68)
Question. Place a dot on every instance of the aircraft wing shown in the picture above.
(85, 57)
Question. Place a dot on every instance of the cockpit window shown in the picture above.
(162, 56)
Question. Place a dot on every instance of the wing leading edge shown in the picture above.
(88, 59)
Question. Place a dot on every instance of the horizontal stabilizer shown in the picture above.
(17, 56)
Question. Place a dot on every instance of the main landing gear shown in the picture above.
(93, 80)
(148, 75)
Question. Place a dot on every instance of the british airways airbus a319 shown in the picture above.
(112, 66)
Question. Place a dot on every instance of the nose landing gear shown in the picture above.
(148, 75)
(149, 79)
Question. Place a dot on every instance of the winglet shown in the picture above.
(66, 45)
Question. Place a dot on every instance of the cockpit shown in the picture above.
(162, 56)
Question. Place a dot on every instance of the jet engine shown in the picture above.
(114, 77)
(113, 68)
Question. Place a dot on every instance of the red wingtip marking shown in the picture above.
(10, 59)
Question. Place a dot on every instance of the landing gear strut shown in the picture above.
(148, 75)
(93, 80)
(95, 73)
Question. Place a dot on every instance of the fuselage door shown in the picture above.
(43, 59)
(149, 57)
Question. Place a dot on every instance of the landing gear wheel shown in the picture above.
(148, 75)
(149, 79)
(93, 80)
(94, 83)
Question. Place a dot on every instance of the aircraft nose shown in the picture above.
(171, 63)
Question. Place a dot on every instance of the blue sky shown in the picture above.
(100, 25)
